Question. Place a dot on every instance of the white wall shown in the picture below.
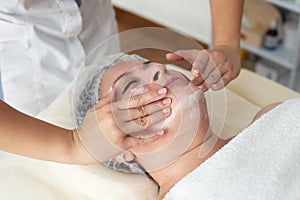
(191, 17)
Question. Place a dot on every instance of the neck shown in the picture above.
(167, 177)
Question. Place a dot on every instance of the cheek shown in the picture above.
(118, 97)
(203, 108)
(104, 87)
(187, 113)
(174, 120)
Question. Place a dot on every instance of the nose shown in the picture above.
(158, 72)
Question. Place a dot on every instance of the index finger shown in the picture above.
(139, 100)
(189, 55)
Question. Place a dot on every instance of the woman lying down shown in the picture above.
(170, 134)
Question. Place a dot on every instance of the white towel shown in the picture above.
(262, 162)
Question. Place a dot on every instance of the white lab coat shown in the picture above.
(43, 43)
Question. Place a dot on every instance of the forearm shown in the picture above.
(226, 21)
(24, 135)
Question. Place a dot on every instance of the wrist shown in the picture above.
(80, 155)
(231, 46)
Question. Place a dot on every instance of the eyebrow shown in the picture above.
(128, 85)
(146, 63)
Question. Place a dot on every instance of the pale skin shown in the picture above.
(24, 135)
(226, 23)
(168, 175)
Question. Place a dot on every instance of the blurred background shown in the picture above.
(270, 34)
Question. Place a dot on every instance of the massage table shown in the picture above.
(25, 178)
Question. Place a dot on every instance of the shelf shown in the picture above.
(287, 4)
(281, 55)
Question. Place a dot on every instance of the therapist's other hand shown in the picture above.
(211, 68)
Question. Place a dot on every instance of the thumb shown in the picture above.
(128, 156)
(188, 55)
(137, 145)
(173, 57)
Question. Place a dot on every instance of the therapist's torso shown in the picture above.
(43, 43)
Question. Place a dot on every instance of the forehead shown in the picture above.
(118, 70)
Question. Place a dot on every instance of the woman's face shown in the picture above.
(127, 76)
(131, 74)
(146, 74)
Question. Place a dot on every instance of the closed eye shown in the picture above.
(128, 85)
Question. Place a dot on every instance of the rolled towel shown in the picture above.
(262, 162)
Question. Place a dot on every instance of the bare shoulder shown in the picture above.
(265, 110)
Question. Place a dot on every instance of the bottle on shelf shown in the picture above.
(271, 38)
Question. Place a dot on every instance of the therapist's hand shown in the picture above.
(211, 68)
(136, 116)
(104, 126)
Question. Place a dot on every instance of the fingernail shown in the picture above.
(215, 87)
(201, 87)
(110, 89)
(196, 71)
(128, 156)
(166, 110)
(162, 91)
(166, 101)
(161, 132)
(138, 90)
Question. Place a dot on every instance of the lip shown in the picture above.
(171, 82)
